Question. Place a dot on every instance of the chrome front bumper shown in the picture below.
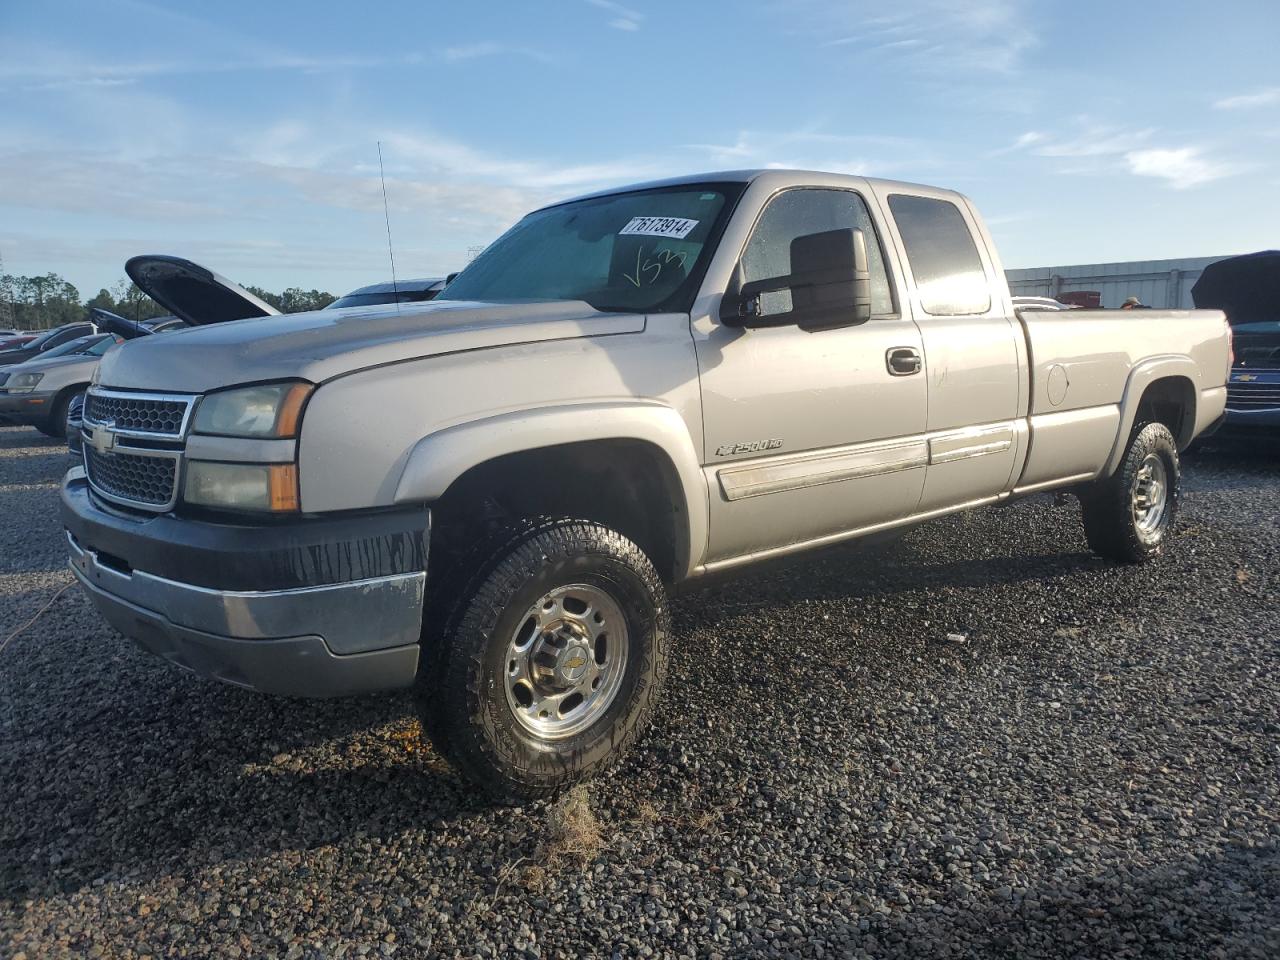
(314, 606)
(322, 641)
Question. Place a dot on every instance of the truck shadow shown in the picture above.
(236, 775)
(1233, 466)
(37, 545)
(1170, 907)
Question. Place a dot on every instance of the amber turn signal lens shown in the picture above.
(290, 413)
(282, 483)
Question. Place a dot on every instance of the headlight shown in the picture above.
(267, 411)
(24, 382)
(269, 487)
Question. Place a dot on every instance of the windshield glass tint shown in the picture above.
(79, 345)
(101, 347)
(633, 252)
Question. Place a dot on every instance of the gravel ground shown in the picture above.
(1090, 771)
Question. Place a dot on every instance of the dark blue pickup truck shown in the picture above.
(1247, 289)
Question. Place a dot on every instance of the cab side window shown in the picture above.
(797, 213)
(944, 260)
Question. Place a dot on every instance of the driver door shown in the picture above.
(809, 435)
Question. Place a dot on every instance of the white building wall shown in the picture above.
(1157, 283)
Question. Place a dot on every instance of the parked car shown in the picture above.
(9, 343)
(402, 291)
(625, 392)
(74, 424)
(39, 391)
(1247, 288)
(45, 341)
(8, 333)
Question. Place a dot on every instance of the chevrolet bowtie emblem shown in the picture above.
(104, 439)
(1245, 377)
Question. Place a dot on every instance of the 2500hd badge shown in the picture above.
(755, 446)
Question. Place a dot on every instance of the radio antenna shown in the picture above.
(386, 212)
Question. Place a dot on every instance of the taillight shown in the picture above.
(1231, 346)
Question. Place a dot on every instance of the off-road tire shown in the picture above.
(1107, 505)
(462, 703)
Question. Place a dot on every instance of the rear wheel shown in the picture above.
(550, 661)
(1129, 516)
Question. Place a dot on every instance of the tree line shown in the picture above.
(43, 302)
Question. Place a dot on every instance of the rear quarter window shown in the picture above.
(943, 257)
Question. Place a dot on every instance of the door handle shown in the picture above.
(902, 361)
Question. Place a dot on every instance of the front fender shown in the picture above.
(437, 460)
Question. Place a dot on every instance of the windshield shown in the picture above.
(101, 347)
(367, 299)
(79, 345)
(44, 338)
(630, 252)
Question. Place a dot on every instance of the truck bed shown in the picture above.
(1084, 363)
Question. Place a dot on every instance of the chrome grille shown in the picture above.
(1255, 395)
(135, 478)
(164, 416)
(132, 445)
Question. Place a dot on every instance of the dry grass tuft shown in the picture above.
(571, 837)
(573, 832)
(646, 812)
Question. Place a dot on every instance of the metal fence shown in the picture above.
(1157, 283)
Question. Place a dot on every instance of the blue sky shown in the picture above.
(243, 134)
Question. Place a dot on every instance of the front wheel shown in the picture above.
(56, 426)
(1129, 515)
(550, 663)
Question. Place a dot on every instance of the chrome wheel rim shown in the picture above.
(565, 661)
(1150, 498)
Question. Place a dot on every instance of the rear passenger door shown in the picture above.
(972, 351)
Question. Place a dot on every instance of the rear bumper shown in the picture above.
(330, 637)
(1249, 421)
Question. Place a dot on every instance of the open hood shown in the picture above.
(122, 327)
(1246, 288)
(192, 292)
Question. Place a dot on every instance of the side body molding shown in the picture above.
(1140, 377)
(440, 458)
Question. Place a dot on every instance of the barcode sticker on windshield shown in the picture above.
(677, 227)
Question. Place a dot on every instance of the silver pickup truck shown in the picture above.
(489, 496)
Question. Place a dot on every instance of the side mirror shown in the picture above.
(830, 285)
(449, 279)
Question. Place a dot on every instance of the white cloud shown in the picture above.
(1100, 150)
(472, 51)
(810, 148)
(624, 18)
(1027, 139)
(1180, 167)
(1249, 101)
(1093, 142)
(929, 36)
